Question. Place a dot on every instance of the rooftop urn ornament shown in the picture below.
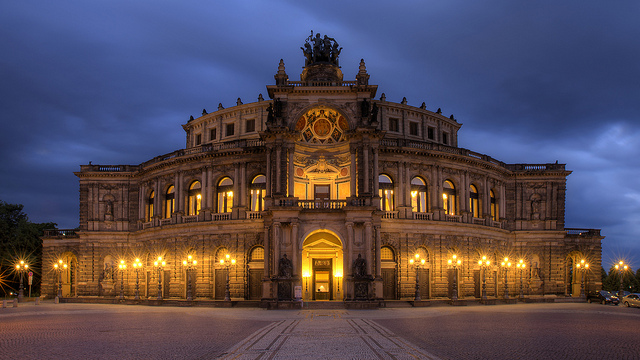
(220, 107)
(204, 112)
(239, 102)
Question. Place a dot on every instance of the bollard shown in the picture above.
(38, 300)
(15, 302)
(4, 304)
(56, 300)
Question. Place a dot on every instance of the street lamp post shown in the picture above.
(137, 265)
(582, 266)
(160, 266)
(506, 264)
(417, 262)
(21, 268)
(454, 262)
(122, 266)
(338, 278)
(227, 262)
(484, 264)
(622, 267)
(190, 264)
(59, 267)
(521, 266)
(306, 277)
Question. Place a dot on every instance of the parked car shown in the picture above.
(631, 300)
(604, 297)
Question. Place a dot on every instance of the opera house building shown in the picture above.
(321, 190)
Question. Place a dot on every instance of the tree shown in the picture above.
(629, 281)
(20, 239)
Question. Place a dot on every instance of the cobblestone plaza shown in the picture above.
(522, 331)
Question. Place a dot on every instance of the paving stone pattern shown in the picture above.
(521, 331)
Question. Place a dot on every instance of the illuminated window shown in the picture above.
(169, 202)
(386, 254)
(258, 191)
(225, 195)
(418, 195)
(385, 191)
(194, 202)
(494, 207)
(473, 201)
(257, 254)
(149, 207)
(449, 198)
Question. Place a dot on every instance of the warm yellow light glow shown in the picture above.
(222, 261)
(422, 261)
(306, 274)
(60, 262)
(64, 266)
(411, 261)
(459, 262)
(449, 261)
(484, 258)
(195, 262)
(55, 266)
(198, 196)
(184, 262)
(159, 258)
(338, 273)
(414, 194)
(155, 263)
(18, 266)
(228, 256)
(586, 266)
(454, 256)
(21, 262)
(233, 261)
(417, 256)
(479, 262)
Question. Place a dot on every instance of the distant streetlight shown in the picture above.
(190, 264)
(622, 267)
(137, 265)
(417, 262)
(227, 262)
(59, 267)
(521, 266)
(454, 262)
(21, 268)
(582, 267)
(506, 264)
(484, 264)
(159, 265)
(122, 266)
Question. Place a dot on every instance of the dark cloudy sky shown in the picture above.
(112, 81)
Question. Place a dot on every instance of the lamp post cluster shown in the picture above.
(418, 262)
(227, 261)
(582, 267)
(622, 267)
(189, 264)
(521, 266)
(21, 268)
(454, 262)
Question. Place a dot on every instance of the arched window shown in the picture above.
(149, 207)
(387, 254)
(449, 198)
(473, 201)
(418, 195)
(494, 207)
(385, 192)
(257, 254)
(169, 202)
(258, 191)
(194, 201)
(225, 195)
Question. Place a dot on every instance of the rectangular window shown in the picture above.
(251, 125)
(445, 138)
(198, 139)
(393, 124)
(431, 133)
(413, 128)
(213, 134)
(230, 129)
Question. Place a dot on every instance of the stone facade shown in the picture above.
(323, 193)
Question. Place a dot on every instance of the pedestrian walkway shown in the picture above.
(325, 334)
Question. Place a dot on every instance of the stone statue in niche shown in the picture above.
(359, 267)
(535, 206)
(285, 268)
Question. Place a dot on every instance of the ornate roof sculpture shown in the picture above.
(321, 59)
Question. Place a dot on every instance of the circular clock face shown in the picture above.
(322, 125)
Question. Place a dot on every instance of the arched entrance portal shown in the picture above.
(322, 268)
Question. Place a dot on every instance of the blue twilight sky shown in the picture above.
(112, 81)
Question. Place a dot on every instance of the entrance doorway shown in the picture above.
(322, 267)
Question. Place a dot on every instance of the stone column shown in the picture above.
(267, 253)
(278, 170)
(365, 155)
(269, 173)
(141, 203)
(367, 243)
(354, 173)
(378, 247)
(376, 172)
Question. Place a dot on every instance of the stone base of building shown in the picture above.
(364, 304)
(420, 303)
(282, 304)
(458, 302)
